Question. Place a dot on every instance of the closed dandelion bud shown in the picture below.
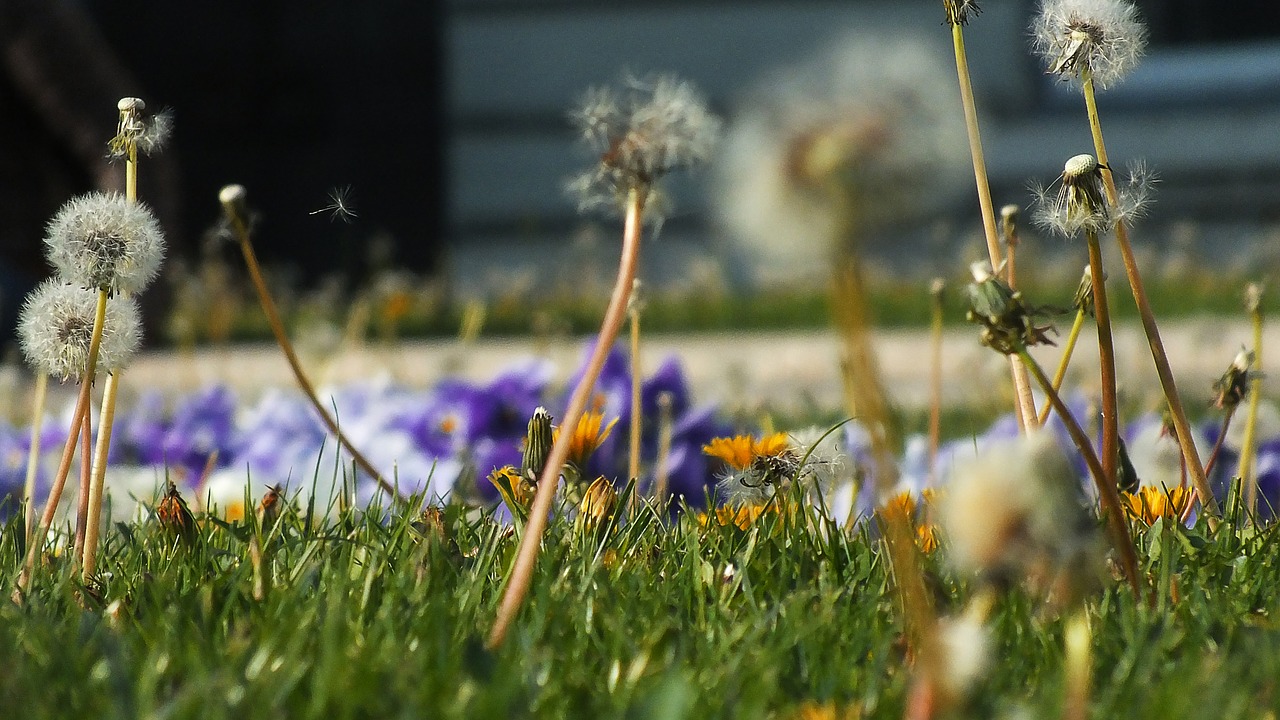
(598, 502)
(101, 240)
(56, 326)
(174, 515)
(1009, 224)
(1083, 301)
(1103, 37)
(537, 445)
(1007, 324)
(269, 508)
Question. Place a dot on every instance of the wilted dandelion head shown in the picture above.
(640, 132)
(56, 325)
(148, 133)
(101, 240)
(1015, 507)
(1080, 203)
(862, 136)
(1103, 36)
(958, 11)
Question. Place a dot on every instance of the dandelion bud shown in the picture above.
(56, 325)
(537, 445)
(598, 502)
(1083, 301)
(1009, 225)
(1007, 324)
(101, 240)
(175, 517)
(1103, 37)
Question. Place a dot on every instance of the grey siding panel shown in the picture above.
(521, 64)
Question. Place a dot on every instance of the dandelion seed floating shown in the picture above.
(1098, 39)
(340, 206)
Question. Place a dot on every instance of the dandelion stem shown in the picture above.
(1106, 358)
(82, 500)
(33, 456)
(240, 227)
(97, 483)
(666, 423)
(1026, 407)
(1078, 661)
(1113, 511)
(68, 449)
(1217, 444)
(1068, 349)
(935, 385)
(633, 461)
(1249, 447)
(1163, 370)
(530, 543)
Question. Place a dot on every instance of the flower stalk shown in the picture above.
(957, 17)
(233, 206)
(1249, 446)
(530, 542)
(1185, 437)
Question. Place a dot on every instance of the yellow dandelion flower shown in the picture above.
(1152, 503)
(587, 437)
(741, 451)
(515, 490)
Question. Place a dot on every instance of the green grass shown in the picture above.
(382, 620)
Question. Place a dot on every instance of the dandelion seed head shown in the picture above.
(101, 240)
(1011, 505)
(1104, 36)
(641, 133)
(865, 130)
(56, 325)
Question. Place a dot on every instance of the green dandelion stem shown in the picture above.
(1025, 406)
(1249, 448)
(1183, 428)
(1112, 511)
(1067, 350)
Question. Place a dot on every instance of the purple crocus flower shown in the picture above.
(202, 425)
